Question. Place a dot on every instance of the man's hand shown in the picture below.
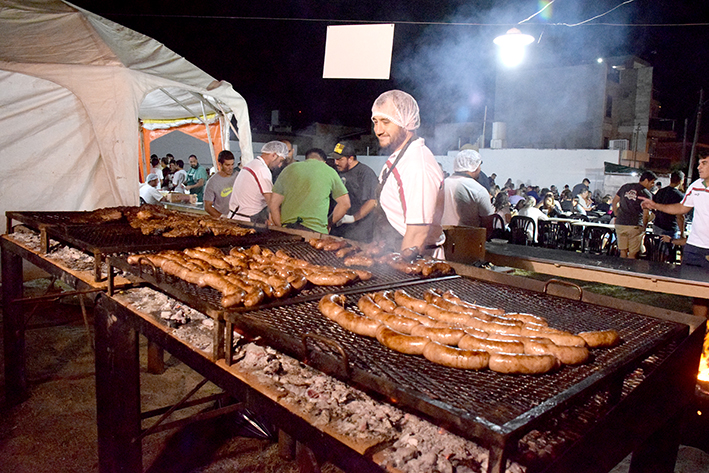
(647, 203)
(345, 220)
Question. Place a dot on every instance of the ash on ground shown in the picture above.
(189, 325)
(416, 444)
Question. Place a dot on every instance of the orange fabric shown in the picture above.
(198, 131)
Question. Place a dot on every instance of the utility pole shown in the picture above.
(692, 156)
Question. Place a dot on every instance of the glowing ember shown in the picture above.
(704, 362)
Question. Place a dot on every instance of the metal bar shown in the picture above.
(50, 297)
(162, 89)
(195, 418)
(153, 428)
(185, 405)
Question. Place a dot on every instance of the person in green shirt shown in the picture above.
(301, 195)
(196, 178)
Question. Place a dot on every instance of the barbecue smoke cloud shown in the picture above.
(451, 70)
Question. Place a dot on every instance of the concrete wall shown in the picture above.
(541, 167)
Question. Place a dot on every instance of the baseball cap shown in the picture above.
(343, 149)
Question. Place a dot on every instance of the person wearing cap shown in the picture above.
(290, 158)
(149, 194)
(411, 180)
(361, 183)
(302, 193)
(217, 192)
(466, 201)
(254, 184)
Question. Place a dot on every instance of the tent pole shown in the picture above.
(209, 136)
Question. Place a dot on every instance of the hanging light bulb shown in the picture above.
(512, 45)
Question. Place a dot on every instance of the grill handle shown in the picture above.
(344, 360)
(154, 268)
(564, 283)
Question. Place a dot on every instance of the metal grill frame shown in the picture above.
(581, 383)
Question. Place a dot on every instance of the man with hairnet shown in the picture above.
(411, 179)
(466, 201)
(252, 187)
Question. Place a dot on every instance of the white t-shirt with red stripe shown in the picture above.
(253, 181)
(697, 196)
(410, 193)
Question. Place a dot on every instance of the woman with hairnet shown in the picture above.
(466, 201)
(411, 180)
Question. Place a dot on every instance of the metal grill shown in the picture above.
(209, 300)
(481, 404)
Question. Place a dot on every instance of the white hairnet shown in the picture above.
(399, 107)
(467, 160)
(277, 147)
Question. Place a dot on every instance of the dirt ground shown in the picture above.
(55, 429)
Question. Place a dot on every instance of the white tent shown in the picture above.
(73, 90)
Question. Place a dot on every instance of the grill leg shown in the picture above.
(156, 358)
(13, 329)
(658, 454)
(286, 446)
(117, 391)
(307, 462)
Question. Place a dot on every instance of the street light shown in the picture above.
(512, 46)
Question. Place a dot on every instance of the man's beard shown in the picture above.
(194, 166)
(396, 141)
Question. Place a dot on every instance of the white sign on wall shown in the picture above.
(358, 52)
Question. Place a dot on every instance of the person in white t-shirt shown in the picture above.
(253, 186)
(411, 180)
(149, 193)
(466, 201)
(696, 251)
(179, 177)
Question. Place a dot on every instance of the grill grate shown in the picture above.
(503, 404)
(208, 300)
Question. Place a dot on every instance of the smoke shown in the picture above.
(452, 69)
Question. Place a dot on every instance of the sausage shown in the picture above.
(363, 274)
(432, 298)
(566, 355)
(445, 335)
(359, 260)
(509, 363)
(470, 342)
(385, 300)
(449, 295)
(432, 310)
(331, 307)
(526, 318)
(404, 299)
(422, 319)
(408, 344)
(436, 267)
(233, 299)
(334, 245)
(347, 250)
(217, 262)
(330, 278)
(455, 357)
(601, 339)
(557, 336)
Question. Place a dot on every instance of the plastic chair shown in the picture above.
(658, 250)
(523, 230)
(499, 229)
(551, 234)
(599, 241)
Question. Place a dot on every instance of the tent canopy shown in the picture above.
(73, 89)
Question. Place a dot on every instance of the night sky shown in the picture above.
(272, 52)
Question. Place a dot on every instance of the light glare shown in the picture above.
(512, 46)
